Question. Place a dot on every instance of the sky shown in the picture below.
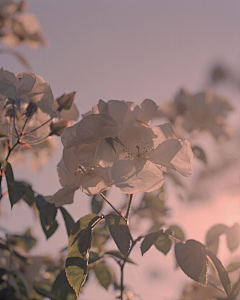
(128, 50)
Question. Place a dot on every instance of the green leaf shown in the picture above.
(84, 238)
(103, 275)
(199, 153)
(149, 240)
(178, 232)
(26, 241)
(96, 204)
(23, 190)
(233, 237)
(48, 229)
(223, 275)
(69, 222)
(163, 243)
(21, 257)
(76, 263)
(47, 210)
(119, 232)
(233, 266)
(2, 133)
(61, 287)
(192, 260)
(212, 237)
(93, 256)
(118, 254)
(10, 181)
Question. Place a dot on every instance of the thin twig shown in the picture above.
(129, 208)
(101, 194)
(38, 126)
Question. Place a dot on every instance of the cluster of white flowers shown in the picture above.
(201, 111)
(115, 144)
(17, 26)
(27, 104)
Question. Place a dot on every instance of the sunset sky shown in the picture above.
(131, 50)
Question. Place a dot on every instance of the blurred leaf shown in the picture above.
(47, 210)
(178, 232)
(10, 181)
(20, 283)
(58, 127)
(233, 237)
(26, 241)
(191, 259)
(119, 232)
(118, 254)
(149, 240)
(61, 287)
(21, 257)
(69, 222)
(3, 272)
(212, 237)
(23, 190)
(2, 133)
(223, 275)
(48, 229)
(233, 266)
(163, 243)
(45, 293)
(96, 204)
(199, 153)
(103, 275)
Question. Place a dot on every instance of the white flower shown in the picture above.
(144, 151)
(27, 87)
(72, 176)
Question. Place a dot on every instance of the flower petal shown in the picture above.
(149, 110)
(133, 176)
(96, 127)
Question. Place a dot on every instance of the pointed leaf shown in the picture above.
(47, 210)
(103, 275)
(10, 181)
(191, 259)
(223, 275)
(61, 287)
(212, 237)
(48, 229)
(178, 232)
(149, 240)
(76, 264)
(235, 291)
(69, 222)
(119, 232)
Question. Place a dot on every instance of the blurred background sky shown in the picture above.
(129, 50)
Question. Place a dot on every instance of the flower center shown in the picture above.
(140, 151)
(84, 170)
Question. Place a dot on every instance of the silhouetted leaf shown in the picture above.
(119, 232)
(10, 181)
(103, 275)
(69, 222)
(48, 229)
(223, 275)
(149, 240)
(23, 190)
(212, 237)
(191, 259)
(47, 210)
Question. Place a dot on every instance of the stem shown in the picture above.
(101, 194)
(38, 126)
(129, 208)
(14, 121)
